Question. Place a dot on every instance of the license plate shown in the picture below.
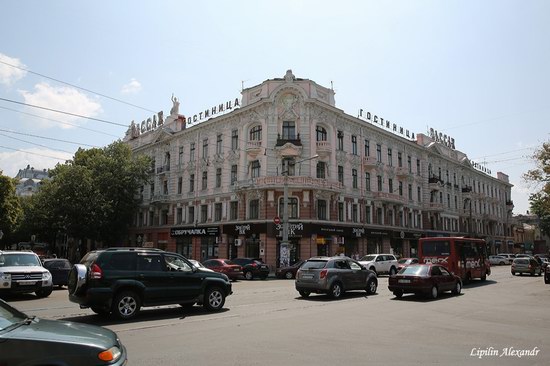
(307, 277)
(404, 281)
(26, 283)
(263, 267)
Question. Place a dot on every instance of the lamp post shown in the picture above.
(284, 253)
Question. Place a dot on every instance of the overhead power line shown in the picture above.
(29, 152)
(76, 86)
(47, 138)
(33, 143)
(62, 112)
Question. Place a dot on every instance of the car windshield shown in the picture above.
(228, 262)
(314, 264)
(403, 261)
(414, 271)
(368, 258)
(9, 316)
(19, 259)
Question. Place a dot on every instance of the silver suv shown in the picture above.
(380, 263)
(22, 272)
(334, 276)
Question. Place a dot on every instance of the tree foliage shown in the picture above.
(10, 208)
(540, 177)
(92, 196)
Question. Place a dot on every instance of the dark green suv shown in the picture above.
(120, 281)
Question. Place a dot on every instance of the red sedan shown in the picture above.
(225, 266)
(404, 262)
(428, 279)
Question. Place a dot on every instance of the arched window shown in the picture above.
(321, 133)
(256, 133)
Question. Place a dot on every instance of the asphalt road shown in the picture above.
(267, 323)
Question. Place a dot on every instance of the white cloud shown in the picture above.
(38, 158)
(64, 99)
(8, 74)
(132, 87)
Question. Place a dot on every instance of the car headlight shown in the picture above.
(46, 276)
(112, 354)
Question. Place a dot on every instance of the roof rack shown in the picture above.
(134, 248)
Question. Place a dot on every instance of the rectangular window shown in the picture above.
(204, 180)
(204, 213)
(340, 211)
(233, 210)
(218, 177)
(180, 185)
(379, 153)
(390, 185)
(151, 218)
(409, 164)
(191, 182)
(289, 130)
(379, 182)
(367, 182)
(234, 140)
(233, 174)
(179, 215)
(390, 158)
(292, 207)
(379, 216)
(192, 151)
(254, 209)
(354, 145)
(340, 138)
(417, 166)
(399, 159)
(180, 155)
(321, 169)
(321, 209)
(354, 213)
(288, 167)
(354, 178)
(205, 148)
(165, 187)
(255, 169)
(219, 148)
(191, 216)
(401, 189)
(367, 148)
(410, 192)
(341, 174)
(367, 214)
(218, 211)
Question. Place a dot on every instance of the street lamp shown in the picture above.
(284, 253)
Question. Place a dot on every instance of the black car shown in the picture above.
(28, 340)
(547, 275)
(122, 280)
(59, 268)
(252, 267)
(288, 272)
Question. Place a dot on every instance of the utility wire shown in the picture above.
(61, 122)
(47, 138)
(29, 152)
(33, 143)
(68, 113)
(75, 86)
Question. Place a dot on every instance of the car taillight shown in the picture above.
(95, 272)
(323, 274)
(254, 265)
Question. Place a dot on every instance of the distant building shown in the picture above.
(528, 238)
(29, 180)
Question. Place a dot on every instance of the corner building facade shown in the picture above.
(354, 185)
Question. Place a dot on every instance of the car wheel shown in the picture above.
(513, 273)
(336, 290)
(372, 285)
(264, 277)
(501, 263)
(248, 275)
(484, 276)
(434, 293)
(99, 310)
(214, 299)
(532, 273)
(44, 292)
(374, 270)
(546, 280)
(398, 293)
(289, 275)
(458, 288)
(304, 293)
(468, 278)
(126, 305)
(393, 271)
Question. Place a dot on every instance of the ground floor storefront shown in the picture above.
(263, 240)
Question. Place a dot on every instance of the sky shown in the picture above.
(478, 71)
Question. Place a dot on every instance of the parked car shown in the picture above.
(404, 262)
(509, 257)
(523, 255)
(334, 276)
(252, 267)
(28, 340)
(547, 275)
(380, 263)
(22, 272)
(288, 272)
(59, 268)
(225, 266)
(122, 280)
(428, 279)
(523, 265)
(498, 260)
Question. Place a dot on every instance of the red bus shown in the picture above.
(466, 257)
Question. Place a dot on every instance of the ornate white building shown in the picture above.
(355, 184)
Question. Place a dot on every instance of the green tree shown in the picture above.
(10, 208)
(540, 178)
